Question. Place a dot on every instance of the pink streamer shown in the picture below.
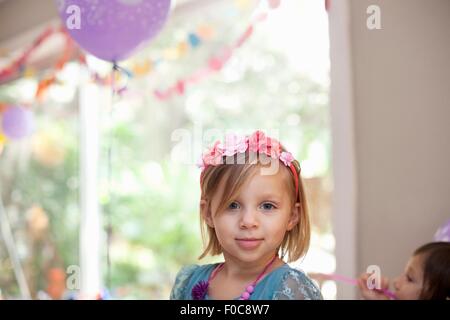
(214, 64)
(354, 282)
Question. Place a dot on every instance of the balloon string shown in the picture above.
(127, 73)
(109, 170)
(109, 228)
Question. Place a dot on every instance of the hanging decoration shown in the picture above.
(17, 122)
(19, 68)
(214, 64)
(193, 40)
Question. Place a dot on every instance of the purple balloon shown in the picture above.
(443, 233)
(17, 122)
(112, 29)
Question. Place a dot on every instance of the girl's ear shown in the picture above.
(295, 214)
(205, 211)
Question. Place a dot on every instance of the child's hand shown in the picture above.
(372, 294)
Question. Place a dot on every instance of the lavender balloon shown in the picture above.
(443, 233)
(112, 29)
(17, 122)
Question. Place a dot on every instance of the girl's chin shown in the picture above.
(247, 255)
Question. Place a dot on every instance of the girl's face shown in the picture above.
(253, 225)
(409, 285)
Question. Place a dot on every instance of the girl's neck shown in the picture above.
(248, 271)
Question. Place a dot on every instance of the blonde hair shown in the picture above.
(295, 242)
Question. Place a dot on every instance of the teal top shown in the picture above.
(282, 283)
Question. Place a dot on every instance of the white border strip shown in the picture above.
(343, 137)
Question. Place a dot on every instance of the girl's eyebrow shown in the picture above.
(271, 196)
(263, 196)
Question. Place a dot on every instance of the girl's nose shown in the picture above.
(248, 219)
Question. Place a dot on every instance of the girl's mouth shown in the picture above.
(248, 243)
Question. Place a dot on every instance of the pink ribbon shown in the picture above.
(354, 282)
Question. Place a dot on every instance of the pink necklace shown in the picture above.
(201, 288)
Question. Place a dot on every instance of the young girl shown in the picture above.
(426, 277)
(253, 207)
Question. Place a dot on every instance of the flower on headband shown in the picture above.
(234, 144)
(273, 148)
(201, 164)
(257, 139)
(214, 155)
(287, 158)
(258, 142)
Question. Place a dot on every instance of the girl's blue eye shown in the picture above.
(233, 206)
(267, 206)
(409, 278)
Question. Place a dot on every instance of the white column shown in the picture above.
(343, 137)
(90, 224)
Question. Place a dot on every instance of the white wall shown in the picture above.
(401, 77)
(19, 16)
(344, 216)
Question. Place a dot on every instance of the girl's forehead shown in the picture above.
(267, 177)
(262, 179)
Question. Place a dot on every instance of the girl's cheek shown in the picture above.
(409, 292)
(413, 294)
(396, 283)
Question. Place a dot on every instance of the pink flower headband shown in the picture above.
(257, 142)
